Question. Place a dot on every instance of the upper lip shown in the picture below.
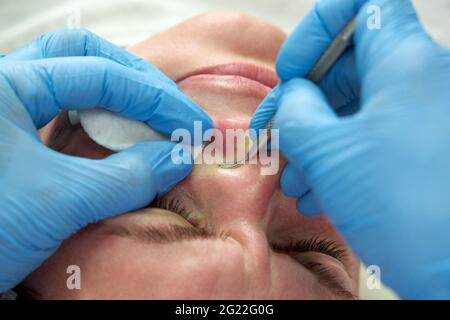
(257, 73)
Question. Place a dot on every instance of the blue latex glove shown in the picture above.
(46, 196)
(382, 176)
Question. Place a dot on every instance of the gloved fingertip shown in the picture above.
(178, 115)
(196, 115)
(296, 84)
(292, 182)
(165, 163)
(302, 102)
(265, 111)
(307, 205)
(173, 164)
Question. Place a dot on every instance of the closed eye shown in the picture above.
(176, 206)
(325, 275)
(314, 244)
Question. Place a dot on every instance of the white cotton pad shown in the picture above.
(113, 131)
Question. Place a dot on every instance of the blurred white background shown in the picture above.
(127, 22)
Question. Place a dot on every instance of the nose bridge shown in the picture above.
(251, 236)
(245, 194)
(237, 204)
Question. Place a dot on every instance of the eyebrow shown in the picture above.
(173, 233)
(160, 234)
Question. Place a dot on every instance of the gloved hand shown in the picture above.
(382, 175)
(46, 196)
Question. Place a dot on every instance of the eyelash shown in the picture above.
(314, 244)
(324, 273)
(172, 205)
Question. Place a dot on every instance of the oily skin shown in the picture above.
(246, 211)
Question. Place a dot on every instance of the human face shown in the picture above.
(219, 234)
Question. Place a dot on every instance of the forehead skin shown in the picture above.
(245, 212)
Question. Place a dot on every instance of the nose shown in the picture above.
(238, 203)
(251, 235)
